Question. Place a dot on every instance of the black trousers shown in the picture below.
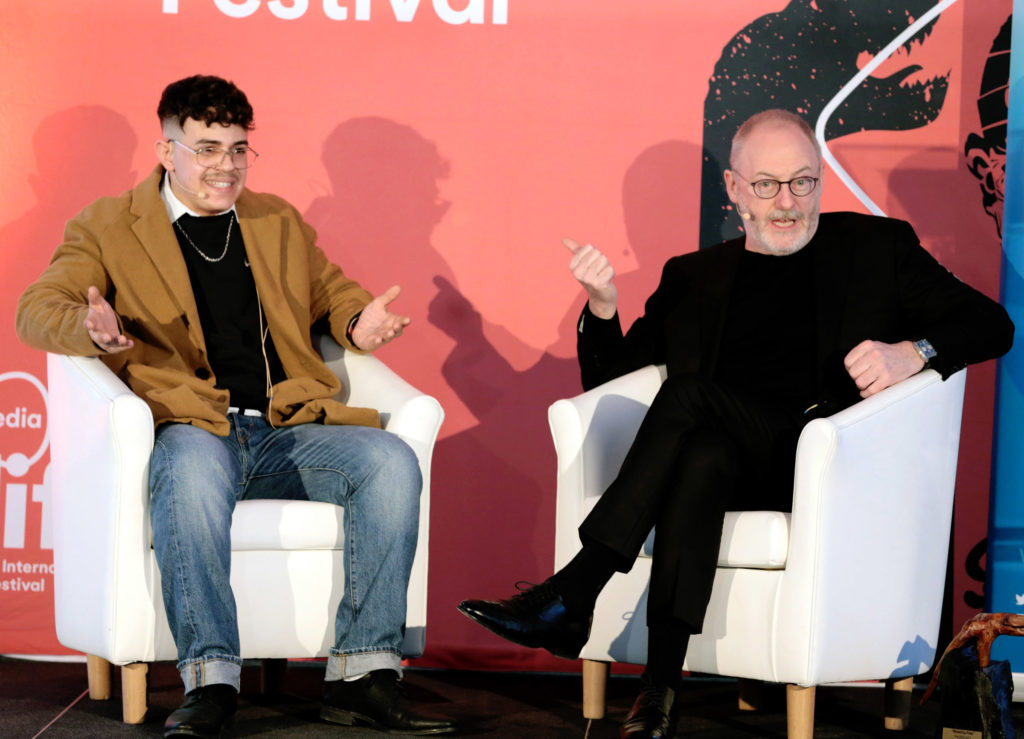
(701, 450)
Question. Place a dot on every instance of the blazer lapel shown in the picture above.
(265, 246)
(156, 236)
(259, 231)
(831, 275)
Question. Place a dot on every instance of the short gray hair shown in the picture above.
(771, 116)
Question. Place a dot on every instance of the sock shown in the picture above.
(217, 690)
(224, 695)
(581, 580)
(666, 648)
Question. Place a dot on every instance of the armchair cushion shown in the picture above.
(755, 539)
(287, 524)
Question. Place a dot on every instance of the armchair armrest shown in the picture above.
(367, 382)
(101, 437)
(592, 432)
(872, 509)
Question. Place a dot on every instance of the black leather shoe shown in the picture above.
(536, 617)
(376, 700)
(651, 716)
(206, 712)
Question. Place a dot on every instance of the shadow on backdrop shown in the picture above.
(81, 154)
(377, 222)
(493, 496)
(516, 540)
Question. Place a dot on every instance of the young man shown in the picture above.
(801, 317)
(200, 294)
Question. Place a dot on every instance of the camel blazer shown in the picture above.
(872, 280)
(126, 247)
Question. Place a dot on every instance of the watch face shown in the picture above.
(925, 349)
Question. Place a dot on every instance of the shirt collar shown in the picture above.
(175, 208)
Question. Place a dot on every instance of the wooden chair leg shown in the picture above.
(751, 694)
(800, 712)
(897, 703)
(272, 672)
(98, 670)
(595, 682)
(133, 692)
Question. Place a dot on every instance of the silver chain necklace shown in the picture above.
(227, 240)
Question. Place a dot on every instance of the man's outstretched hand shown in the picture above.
(377, 325)
(101, 323)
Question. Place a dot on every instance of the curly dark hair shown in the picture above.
(205, 98)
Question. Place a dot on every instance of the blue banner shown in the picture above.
(1004, 591)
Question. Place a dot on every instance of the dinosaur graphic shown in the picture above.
(798, 59)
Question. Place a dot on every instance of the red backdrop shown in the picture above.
(449, 151)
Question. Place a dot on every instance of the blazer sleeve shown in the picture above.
(605, 353)
(51, 310)
(963, 325)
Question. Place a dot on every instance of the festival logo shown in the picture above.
(403, 11)
(23, 442)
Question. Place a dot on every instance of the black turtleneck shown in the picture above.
(768, 344)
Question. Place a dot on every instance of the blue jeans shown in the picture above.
(195, 479)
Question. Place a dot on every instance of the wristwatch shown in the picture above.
(926, 351)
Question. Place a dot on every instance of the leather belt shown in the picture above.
(245, 411)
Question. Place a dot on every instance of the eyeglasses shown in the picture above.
(212, 156)
(767, 189)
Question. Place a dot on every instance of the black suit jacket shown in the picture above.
(872, 280)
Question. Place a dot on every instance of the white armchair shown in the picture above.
(847, 587)
(286, 564)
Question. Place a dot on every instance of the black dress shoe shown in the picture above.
(536, 617)
(206, 712)
(376, 700)
(651, 716)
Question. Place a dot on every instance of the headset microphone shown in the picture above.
(745, 216)
(200, 195)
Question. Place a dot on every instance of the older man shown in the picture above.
(802, 316)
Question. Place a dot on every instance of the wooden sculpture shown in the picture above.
(982, 630)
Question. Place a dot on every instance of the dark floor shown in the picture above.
(49, 699)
